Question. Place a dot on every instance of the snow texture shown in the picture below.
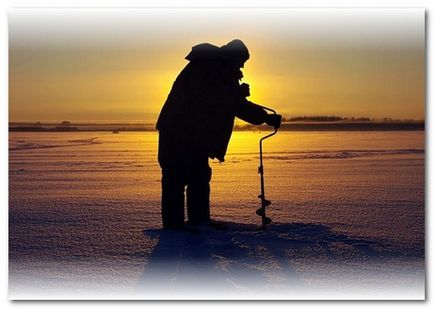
(347, 210)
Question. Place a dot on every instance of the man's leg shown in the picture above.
(198, 192)
(172, 200)
(173, 181)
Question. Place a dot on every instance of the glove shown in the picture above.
(245, 90)
(273, 120)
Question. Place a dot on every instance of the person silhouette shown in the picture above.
(196, 123)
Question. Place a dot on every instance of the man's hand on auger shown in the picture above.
(274, 120)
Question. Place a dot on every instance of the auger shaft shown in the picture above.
(264, 202)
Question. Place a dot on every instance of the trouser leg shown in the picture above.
(173, 181)
(198, 192)
(172, 201)
(198, 203)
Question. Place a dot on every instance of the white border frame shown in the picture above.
(10, 4)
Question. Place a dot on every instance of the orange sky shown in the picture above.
(118, 65)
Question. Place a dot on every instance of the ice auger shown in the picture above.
(264, 202)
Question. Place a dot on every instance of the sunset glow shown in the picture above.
(101, 66)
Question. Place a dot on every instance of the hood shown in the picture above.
(203, 52)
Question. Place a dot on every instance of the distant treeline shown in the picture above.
(42, 129)
(325, 118)
(340, 126)
(339, 118)
(301, 123)
(87, 128)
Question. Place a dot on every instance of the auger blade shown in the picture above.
(260, 212)
(266, 202)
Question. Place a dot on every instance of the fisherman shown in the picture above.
(196, 123)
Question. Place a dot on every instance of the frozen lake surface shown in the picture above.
(348, 219)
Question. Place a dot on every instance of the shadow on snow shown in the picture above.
(243, 258)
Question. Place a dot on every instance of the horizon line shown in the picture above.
(138, 122)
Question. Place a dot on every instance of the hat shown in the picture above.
(235, 49)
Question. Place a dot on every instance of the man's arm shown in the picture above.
(253, 113)
(250, 112)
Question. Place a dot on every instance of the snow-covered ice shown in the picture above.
(348, 219)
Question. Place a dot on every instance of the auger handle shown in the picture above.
(264, 201)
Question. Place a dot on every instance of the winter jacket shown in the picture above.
(205, 98)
